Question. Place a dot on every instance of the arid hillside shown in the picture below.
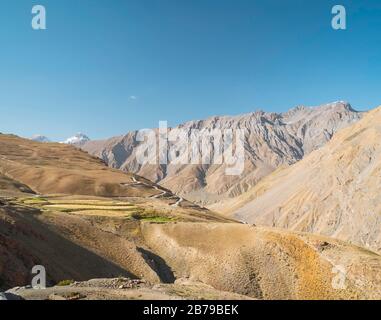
(58, 168)
(266, 263)
(54, 168)
(271, 140)
(335, 191)
(79, 238)
(176, 259)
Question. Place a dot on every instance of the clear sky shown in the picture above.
(104, 67)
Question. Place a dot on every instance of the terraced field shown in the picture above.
(96, 208)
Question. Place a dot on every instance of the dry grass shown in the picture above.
(85, 207)
(76, 207)
(89, 202)
(103, 213)
(98, 208)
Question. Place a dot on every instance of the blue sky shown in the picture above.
(181, 60)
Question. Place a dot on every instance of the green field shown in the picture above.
(96, 208)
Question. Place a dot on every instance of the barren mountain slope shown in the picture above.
(334, 191)
(271, 140)
(58, 168)
(195, 260)
(26, 241)
(266, 263)
(227, 257)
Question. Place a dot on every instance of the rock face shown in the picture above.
(334, 191)
(271, 140)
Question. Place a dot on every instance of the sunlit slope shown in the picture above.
(266, 263)
(57, 168)
(53, 168)
(334, 191)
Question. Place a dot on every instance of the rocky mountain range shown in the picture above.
(334, 191)
(271, 140)
(78, 139)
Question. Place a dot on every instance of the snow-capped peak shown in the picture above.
(40, 138)
(78, 139)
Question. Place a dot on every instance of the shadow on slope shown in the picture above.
(25, 242)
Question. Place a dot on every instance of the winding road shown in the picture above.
(156, 196)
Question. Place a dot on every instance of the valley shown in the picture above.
(106, 234)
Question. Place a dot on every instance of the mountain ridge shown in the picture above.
(271, 140)
(333, 191)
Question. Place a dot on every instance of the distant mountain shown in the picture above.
(271, 140)
(40, 138)
(334, 191)
(78, 139)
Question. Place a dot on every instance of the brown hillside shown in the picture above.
(266, 263)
